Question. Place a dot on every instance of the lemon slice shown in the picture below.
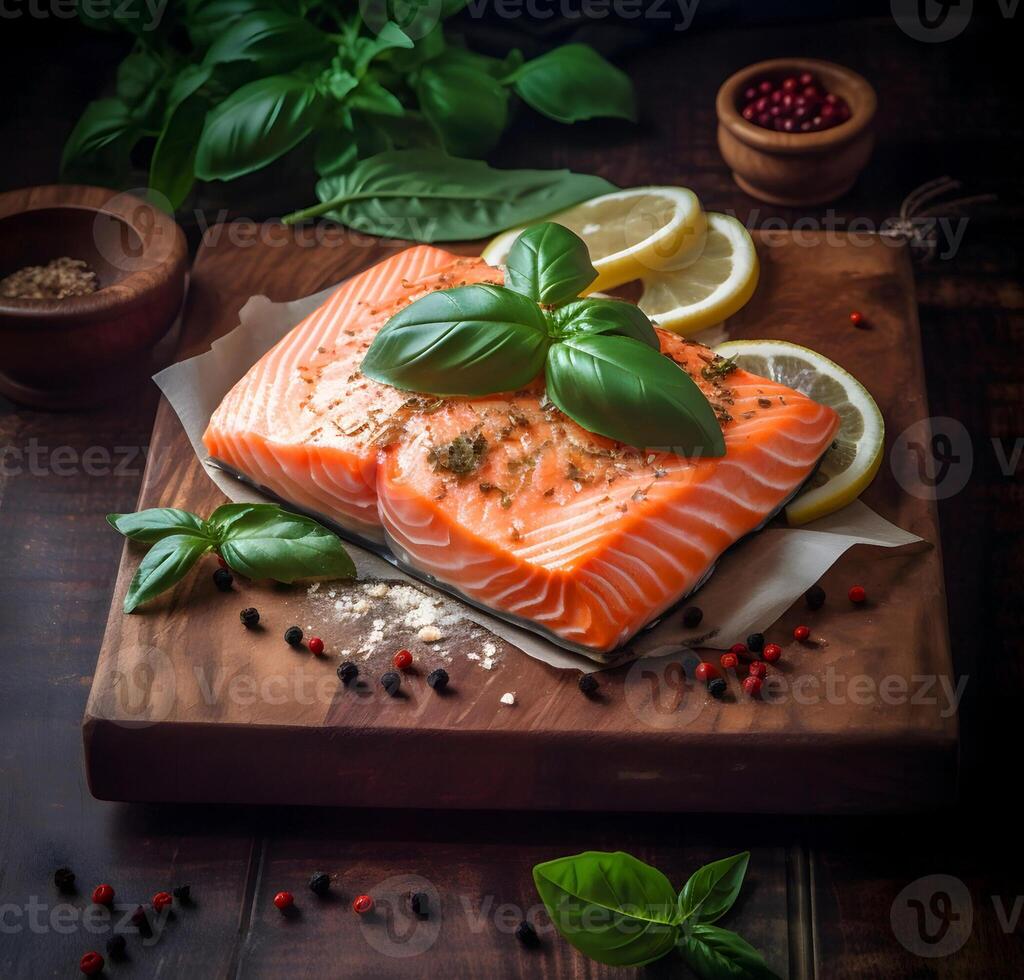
(712, 288)
(630, 234)
(853, 459)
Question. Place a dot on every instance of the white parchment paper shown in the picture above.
(740, 598)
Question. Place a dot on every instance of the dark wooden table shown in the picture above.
(821, 892)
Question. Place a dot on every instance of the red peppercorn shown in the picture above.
(738, 648)
(806, 78)
(856, 318)
(750, 93)
(752, 685)
(705, 671)
(284, 900)
(802, 633)
(771, 652)
(402, 660)
(221, 562)
(103, 895)
(857, 594)
(729, 661)
(362, 904)
(765, 87)
(789, 84)
(162, 900)
(758, 669)
(749, 113)
(316, 645)
(91, 964)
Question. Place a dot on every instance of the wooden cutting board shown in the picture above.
(186, 705)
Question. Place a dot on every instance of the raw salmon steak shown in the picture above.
(504, 498)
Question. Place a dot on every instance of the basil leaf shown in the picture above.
(282, 546)
(621, 388)
(610, 906)
(138, 78)
(574, 82)
(468, 108)
(711, 890)
(172, 167)
(428, 196)
(256, 125)
(207, 20)
(605, 316)
(390, 36)
(272, 40)
(221, 520)
(371, 96)
(713, 954)
(549, 263)
(104, 123)
(164, 565)
(471, 340)
(150, 526)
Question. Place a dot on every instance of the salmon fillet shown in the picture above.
(505, 498)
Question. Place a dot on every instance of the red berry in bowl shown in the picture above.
(789, 84)
(750, 93)
(765, 87)
(806, 78)
(749, 113)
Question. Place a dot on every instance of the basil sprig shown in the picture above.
(622, 912)
(601, 358)
(256, 540)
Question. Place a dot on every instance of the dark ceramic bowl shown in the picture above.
(75, 351)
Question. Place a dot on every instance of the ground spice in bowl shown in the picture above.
(57, 279)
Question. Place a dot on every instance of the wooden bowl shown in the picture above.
(796, 169)
(76, 351)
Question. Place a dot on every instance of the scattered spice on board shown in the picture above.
(57, 279)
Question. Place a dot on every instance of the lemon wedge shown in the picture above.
(630, 234)
(852, 461)
(713, 287)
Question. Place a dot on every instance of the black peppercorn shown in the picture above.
(438, 679)
(116, 945)
(815, 597)
(391, 682)
(526, 934)
(293, 636)
(587, 684)
(250, 618)
(420, 903)
(755, 642)
(183, 893)
(716, 687)
(692, 615)
(223, 579)
(348, 672)
(320, 883)
(64, 879)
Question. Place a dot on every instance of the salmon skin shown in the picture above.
(503, 498)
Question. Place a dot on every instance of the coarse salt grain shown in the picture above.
(509, 697)
(378, 590)
(428, 634)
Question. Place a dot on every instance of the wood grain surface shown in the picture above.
(246, 707)
(825, 887)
